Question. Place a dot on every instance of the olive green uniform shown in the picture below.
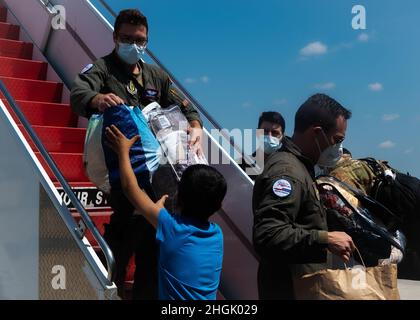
(129, 234)
(110, 75)
(355, 173)
(290, 224)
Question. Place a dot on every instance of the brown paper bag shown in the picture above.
(357, 283)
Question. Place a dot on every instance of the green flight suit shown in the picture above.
(129, 234)
(110, 75)
(290, 223)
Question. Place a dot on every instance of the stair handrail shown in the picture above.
(66, 187)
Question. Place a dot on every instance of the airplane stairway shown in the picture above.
(43, 101)
(54, 122)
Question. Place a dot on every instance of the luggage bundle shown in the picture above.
(158, 158)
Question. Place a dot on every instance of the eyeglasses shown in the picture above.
(129, 40)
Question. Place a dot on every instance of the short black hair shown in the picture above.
(319, 110)
(201, 191)
(130, 16)
(273, 117)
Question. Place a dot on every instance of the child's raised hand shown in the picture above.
(161, 202)
(117, 141)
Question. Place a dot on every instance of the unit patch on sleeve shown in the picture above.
(282, 188)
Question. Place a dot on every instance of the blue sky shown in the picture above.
(239, 58)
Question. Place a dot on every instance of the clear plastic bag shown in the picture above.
(170, 127)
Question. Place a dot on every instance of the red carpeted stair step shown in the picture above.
(33, 90)
(45, 114)
(25, 69)
(131, 268)
(98, 219)
(3, 14)
(9, 31)
(70, 165)
(15, 49)
(53, 122)
(75, 184)
(59, 139)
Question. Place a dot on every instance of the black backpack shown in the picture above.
(400, 193)
(372, 226)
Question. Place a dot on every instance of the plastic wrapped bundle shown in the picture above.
(371, 229)
(101, 163)
(170, 127)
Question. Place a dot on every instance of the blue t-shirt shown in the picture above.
(190, 258)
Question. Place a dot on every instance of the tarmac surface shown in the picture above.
(409, 290)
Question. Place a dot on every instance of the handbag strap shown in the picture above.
(361, 259)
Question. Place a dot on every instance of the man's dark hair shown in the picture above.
(201, 191)
(130, 16)
(319, 110)
(273, 117)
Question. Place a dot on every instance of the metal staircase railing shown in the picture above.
(87, 222)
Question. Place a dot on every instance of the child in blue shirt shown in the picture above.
(191, 247)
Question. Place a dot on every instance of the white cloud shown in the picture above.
(247, 104)
(325, 86)
(376, 86)
(314, 49)
(388, 144)
(408, 151)
(204, 79)
(363, 37)
(390, 117)
(190, 80)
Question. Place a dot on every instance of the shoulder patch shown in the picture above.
(87, 68)
(151, 93)
(282, 188)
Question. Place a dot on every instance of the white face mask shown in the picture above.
(271, 144)
(331, 155)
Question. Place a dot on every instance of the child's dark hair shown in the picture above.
(201, 191)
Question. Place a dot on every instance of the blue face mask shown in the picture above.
(271, 144)
(130, 53)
